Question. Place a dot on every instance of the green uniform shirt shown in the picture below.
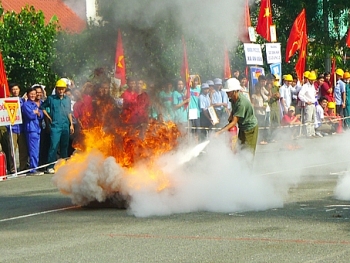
(244, 110)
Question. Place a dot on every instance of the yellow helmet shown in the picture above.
(346, 75)
(312, 76)
(339, 72)
(61, 84)
(331, 105)
(306, 74)
(288, 77)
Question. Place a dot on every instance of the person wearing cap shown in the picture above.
(217, 101)
(290, 118)
(275, 109)
(339, 92)
(307, 95)
(286, 92)
(242, 114)
(331, 117)
(204, 104)
(60, 121)
(346, 78)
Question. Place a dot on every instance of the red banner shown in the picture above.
(264, 20)
(4, 86)
(296, 36)
(120, 72)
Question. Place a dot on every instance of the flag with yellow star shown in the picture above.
(120, 72)
(265, 20)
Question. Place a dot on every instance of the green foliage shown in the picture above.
(27, 46)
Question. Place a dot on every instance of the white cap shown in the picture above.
(231, 85)
(217, 81)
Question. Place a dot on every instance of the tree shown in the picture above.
(27, 46)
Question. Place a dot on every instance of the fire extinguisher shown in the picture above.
(2, 166)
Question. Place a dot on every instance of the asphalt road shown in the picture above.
(38, 224)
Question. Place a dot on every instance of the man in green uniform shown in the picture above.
(60, 120)
(242, 114)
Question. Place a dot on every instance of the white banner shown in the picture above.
(253, 54)
(273, 53)
(10, 111)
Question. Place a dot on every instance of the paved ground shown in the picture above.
(38, 224)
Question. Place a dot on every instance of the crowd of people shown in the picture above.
(51, 123)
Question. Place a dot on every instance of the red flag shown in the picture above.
(120, 72)
(300, 66)
(348, 38)
(4, 86)
(227, 67)
(244, 36)
(333, 66)
(264, 20)
(185, 73)
(296, 35)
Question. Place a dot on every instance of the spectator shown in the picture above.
(260, 111)
(204, 104)
(339, 92)
(194, 113)
(346, 78)
(180, 104)
(322, 127)
(307, 95)
(44, 131)
(275, 108)
(60, 120)
(291, 119)
(143, 107)
(286, 93)
(129, 111)
(326, 89)
(32, 117)
(19, 138)
(166, 97)
(244, 84)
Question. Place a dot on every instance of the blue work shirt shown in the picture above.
(59, 110)
(31, 121)
(339, 89)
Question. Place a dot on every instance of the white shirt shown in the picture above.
(307, 93)
(319, 116)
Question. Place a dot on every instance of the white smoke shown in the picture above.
(202, 184)
(341, 191)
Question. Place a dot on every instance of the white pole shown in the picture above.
(13, 151)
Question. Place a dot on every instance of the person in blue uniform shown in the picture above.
(32, 116)
(60, 120)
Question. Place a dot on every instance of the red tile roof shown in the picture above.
(68, 20)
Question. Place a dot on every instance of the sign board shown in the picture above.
(10, 111)
(273, 53)
(273, 34)
(255, 72)
(276, 69)
(253, 54)
(251, 32)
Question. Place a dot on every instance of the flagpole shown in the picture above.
(13, 151)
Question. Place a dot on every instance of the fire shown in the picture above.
(134, 148)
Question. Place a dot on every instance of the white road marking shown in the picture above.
(37, 214)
